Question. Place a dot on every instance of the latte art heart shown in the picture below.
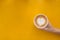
(41, 21)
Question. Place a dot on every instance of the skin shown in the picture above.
(48, 28)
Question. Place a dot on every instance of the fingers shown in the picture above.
(41, 18)
(41, 22)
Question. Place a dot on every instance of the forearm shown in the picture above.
(50, 28)
(56, 30)
(46, 25)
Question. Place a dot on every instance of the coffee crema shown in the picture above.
(41, 20)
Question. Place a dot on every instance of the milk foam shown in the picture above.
(40, 21)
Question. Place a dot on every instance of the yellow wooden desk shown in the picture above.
(16, 19)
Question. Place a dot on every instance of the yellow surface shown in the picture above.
(16, 19)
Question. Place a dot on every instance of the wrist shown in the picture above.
(56, 30)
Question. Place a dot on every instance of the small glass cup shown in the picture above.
(42, 18)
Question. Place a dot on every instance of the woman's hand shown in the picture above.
(47, 26)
